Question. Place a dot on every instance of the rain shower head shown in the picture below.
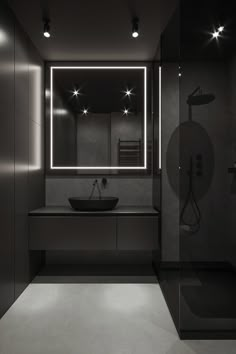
(197, 98)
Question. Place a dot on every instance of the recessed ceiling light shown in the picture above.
(215, 34)
(135, 27)
(220, 29)
(46, 29)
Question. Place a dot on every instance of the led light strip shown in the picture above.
(144, 68)
(160, 117)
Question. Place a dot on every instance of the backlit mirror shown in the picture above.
(98, 118)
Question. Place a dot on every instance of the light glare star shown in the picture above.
(85, 112)
(128, 92)
(75, 93)
(125, 111)
(215, 34)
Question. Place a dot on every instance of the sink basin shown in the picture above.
(94, 204)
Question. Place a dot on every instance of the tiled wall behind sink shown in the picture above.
(130, 191)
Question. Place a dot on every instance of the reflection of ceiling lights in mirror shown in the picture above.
(218, 32)
(76, 92)
(85, 112)
(125, 111)
(221, 29)
(215, 34)
(128, 92)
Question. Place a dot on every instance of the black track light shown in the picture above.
(46, 29)
(135, 27)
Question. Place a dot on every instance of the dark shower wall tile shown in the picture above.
(212, 188)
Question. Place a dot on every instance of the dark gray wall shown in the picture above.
(130, 191)
(6, 160)
(93, 140)
(21, 155)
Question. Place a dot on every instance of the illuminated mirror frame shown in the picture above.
(144, 69)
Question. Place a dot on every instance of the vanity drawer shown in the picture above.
(137, 233)
(72, 233)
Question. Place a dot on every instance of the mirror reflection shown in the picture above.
(98, 118)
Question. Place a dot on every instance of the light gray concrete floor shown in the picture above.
(96, 318)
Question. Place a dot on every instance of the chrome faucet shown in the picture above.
(96, 184)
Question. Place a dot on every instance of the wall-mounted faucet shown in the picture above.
(104, 182)
(96, 184)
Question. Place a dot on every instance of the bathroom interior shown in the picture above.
(118, 160)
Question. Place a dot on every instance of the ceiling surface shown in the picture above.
(94, 30)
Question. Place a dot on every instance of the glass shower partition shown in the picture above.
(197, 273)
(208, 282)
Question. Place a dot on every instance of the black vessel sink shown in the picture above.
(94, 204)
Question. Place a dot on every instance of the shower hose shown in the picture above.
(194, 226)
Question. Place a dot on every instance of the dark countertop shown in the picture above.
(68, 211)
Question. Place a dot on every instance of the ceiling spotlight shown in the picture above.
(135, 28)
(220, 29)
(85, 111)
(215, 34)
(125, 111)
(76, 92)
(46, 29)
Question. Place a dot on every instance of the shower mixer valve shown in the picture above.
(199, 165)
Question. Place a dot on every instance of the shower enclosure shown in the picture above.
(197, 273)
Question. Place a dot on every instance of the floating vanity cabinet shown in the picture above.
(71, 233)
(137, 233)
(122, 229)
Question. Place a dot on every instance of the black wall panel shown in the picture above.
(21, 160)
(21, 156)
(6, 160)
